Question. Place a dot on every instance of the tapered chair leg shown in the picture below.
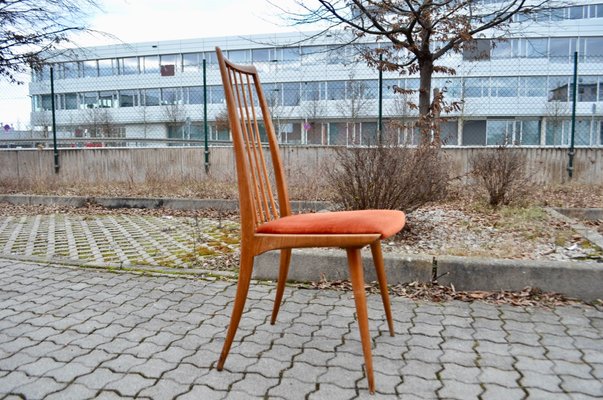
(246, 267)
(282, 279)
(381, 277)
(357, 278)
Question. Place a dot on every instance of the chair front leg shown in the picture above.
(245, 269)
(381, 277)
(282, 279)
(357, 278)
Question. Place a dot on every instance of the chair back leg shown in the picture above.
(282, 279)
(357, 278)
(382, 279)
(246, 267)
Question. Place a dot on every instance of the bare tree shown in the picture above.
(31, 29)
(353, 104)
(176, 116)
(419, 32)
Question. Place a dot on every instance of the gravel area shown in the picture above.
(449, 229)
(511, 233)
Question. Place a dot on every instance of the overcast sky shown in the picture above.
(154, 20)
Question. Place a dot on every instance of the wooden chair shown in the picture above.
(267, 223)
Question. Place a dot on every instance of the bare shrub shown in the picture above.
(502, 172)
(388, 177)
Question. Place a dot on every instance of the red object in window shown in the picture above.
(167, 70)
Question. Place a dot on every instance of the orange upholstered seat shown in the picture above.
(384, 222)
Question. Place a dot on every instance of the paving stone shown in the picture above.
(269, 367)
(130, 384)
(73, 391)
(292, 389)
(416, 386)
(13, 380)
(589, 387)
(330, 391)
(40, 367)
(421, 369)
(99, 378)
(219, 380)
(495, 392)
(153, 368)
(254, 384)
(539, 394)
(166, 389)
(38, 388)
(304, 372)
(499, 377)
(452, 389)
(460, 373)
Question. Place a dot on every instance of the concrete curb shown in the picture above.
(583, 280)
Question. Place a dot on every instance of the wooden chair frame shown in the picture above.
(244, 95)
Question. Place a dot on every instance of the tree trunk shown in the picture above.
(425, 117)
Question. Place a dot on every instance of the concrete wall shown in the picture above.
(138, 165)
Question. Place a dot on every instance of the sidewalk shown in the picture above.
(67, 333)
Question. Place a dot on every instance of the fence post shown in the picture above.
(205, 127)
(380, 116)
(570, 165)
(54, 123)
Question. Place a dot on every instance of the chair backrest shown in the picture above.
(247, 112)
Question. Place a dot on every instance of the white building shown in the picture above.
(517, 90)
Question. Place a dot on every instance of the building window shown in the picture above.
(128, 66)
(194, 95)
(500, 132)
(88, 100)
(559, 49)
(474, 133)
(216, 95)
(313, 91)
(191, 62)
(291, 94)
(477, 50)
(313, 55)
(151, 97)
(105, 67)
(503, 49)
(107, 99)
(587, 88)
(558, 88)
(532, 86)
(90, 68)
(529, 132)
(128, 98)
(171, 96)
(46, 102)
(71, 101)
(594, 49)
(239, 56)
(150, 64)
(168, 64)
(70, 70)
(260, 55)
(475, 87)
(503, 87)
(336, 90)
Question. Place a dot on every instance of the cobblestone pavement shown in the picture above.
(74, 334)
(118, 239)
